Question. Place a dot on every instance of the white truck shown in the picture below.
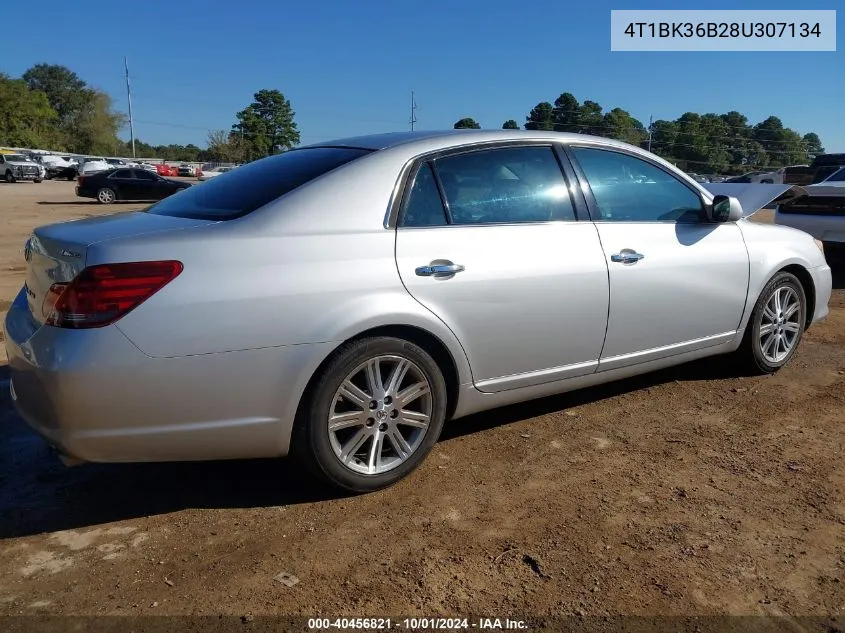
(14, 167)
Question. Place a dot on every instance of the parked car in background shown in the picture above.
(821, 213)
(127, 184)
(342, 300)
(14, 167)
(166, 170)
(207, 174)
(92, 165)
(57, 167)
(148, 167)
(822, 166)
(186, 170)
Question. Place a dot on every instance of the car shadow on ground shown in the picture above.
(39, 494)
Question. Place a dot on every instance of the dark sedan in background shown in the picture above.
(127, 184)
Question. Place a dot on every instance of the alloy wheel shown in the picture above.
(380, 414)
(779, 324)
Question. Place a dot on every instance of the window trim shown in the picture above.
(115, 176)
(399, 200)
(592, 204)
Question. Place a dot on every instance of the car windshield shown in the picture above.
(254, 185)
(16, 158)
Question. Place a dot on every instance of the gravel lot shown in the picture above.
(688, 491)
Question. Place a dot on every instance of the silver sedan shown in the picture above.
(341, 301)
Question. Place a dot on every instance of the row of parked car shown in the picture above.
(36, 166)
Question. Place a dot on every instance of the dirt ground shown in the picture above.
(688, 491)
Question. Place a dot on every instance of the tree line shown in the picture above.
(51, 107)
(717, 143)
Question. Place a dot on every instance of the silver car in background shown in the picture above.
(340, 301)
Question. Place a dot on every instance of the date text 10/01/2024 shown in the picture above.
(416, 624)
(723, 29)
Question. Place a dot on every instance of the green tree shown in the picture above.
(467, 123)
(267, 125)
(541, 117)
(67, 93)
(590, 118)
(566, 113)
(813, 144)
(510, 124)
(620, 125)
(96, 127)
(26, 118)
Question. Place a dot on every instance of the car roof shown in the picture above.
(448, 138)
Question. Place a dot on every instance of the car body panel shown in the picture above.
(693, 280)
(531, 306)
(229, 346)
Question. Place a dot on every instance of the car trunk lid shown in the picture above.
(56, 253)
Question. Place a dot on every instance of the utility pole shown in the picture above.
(413, 110)
(129, 100)
(650, 121)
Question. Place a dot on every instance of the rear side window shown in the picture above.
(122, 173)
(250, 187)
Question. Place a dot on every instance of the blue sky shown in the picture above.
(348, 66)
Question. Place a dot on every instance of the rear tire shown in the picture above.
(106, 195)
(776, 325)
(37, 181)
(372, 415)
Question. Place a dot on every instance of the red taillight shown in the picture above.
(79, 179)
(102, 294)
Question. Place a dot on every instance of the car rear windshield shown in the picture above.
(245, 189)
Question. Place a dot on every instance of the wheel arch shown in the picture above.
(424, 339)
(809, 287)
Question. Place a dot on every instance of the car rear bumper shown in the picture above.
(94, 396)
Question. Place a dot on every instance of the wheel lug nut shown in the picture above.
(370, 421)
(382, 427)
(394, 414)
(388, 400)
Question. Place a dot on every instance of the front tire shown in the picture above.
(106, 196)
(776, 326)
(37, 181)
(9, 177)
(372, 415)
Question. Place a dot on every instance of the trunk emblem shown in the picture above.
(67, 253)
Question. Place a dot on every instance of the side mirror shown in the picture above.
(725, 209)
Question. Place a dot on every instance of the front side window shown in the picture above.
(122, 173)
(629, 189)
(506, 185)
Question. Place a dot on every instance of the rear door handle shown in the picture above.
(626, 256)
(439, 269)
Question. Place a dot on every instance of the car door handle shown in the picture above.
(626, 256)
(439, 269)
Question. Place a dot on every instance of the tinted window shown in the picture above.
(628, 189)
(122, 173)
(517, 184)
(424, 206)
(839, 176)
(251, 186)
(143, 174)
